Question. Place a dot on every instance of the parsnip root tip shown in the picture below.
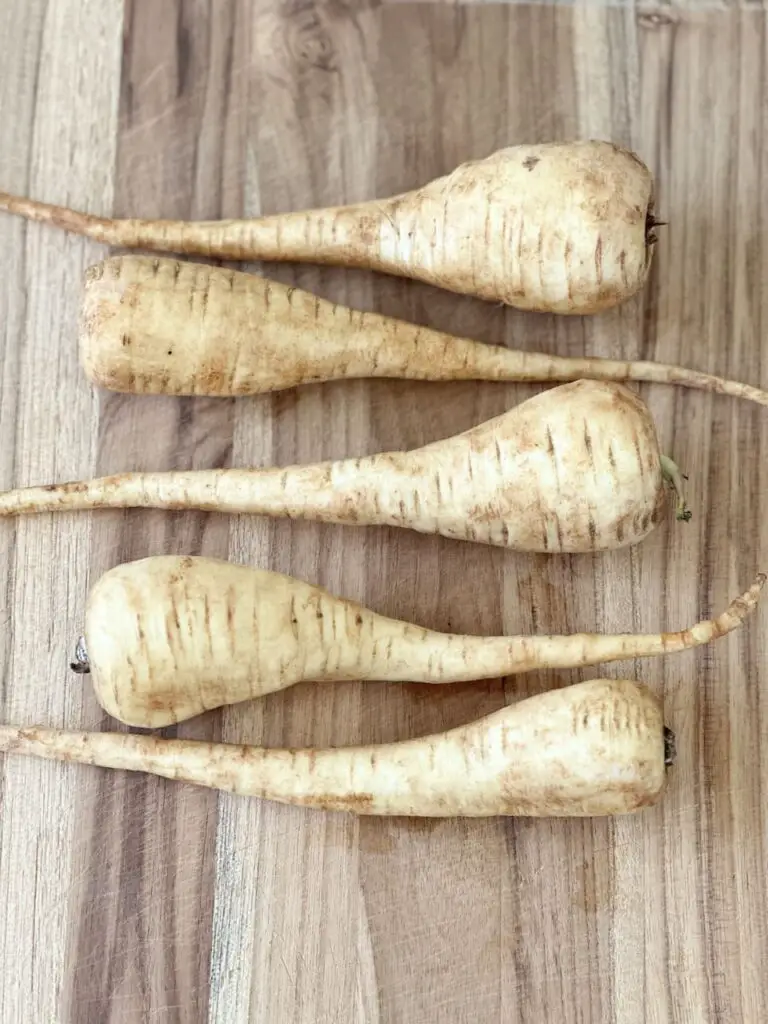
(670, 747)
(81, 663)
(651, 224)
(671, 473)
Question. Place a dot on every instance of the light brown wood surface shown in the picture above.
(127, 899)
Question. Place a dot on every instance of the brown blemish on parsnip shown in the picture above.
(74, 487)
(354, 802)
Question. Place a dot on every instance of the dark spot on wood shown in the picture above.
(530, 162)
(170, 351)
(126, 340)
(183, 57)
(358, 619)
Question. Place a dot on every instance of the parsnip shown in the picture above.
(595, 748)
(170, 637)
(563, 227)
(160, 326)
(576, 468)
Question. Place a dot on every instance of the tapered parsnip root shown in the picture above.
(170, 637)
(576, 468)
(565, 228)
(595, 748)
(160, 326)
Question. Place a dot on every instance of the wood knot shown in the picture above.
(655, 19)
(309, 41)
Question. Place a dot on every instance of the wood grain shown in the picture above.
(132, 900)
(59, 139)
(151, 844)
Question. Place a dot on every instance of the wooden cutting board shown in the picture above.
(126, 899)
